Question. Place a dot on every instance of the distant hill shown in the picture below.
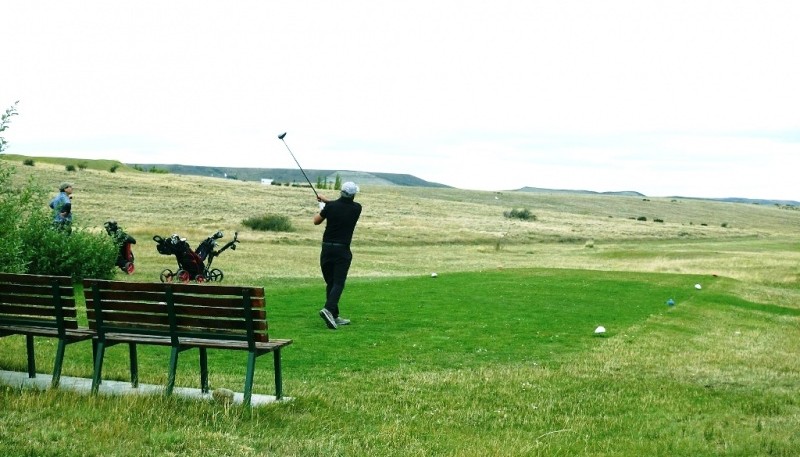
(628, 193)
(294, 175)
(751, 201)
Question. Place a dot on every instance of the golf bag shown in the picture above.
(191, 263)
(124, 241)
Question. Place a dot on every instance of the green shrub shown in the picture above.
(28, 162)
(31, 244)
(658, 220)
(69, 167)
(269, 223)
(75, 252)
(113, 168)
(641, 218)
(83, 166)
(523, 214)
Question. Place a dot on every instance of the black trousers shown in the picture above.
(334, 261)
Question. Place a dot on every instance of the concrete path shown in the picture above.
(84, 385)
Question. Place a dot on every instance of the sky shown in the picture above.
(697, 98)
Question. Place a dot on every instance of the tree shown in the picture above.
(5, 120)
(337, 185)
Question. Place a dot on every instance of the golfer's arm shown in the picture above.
(318, 219)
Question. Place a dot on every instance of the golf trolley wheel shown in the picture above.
(167, 275)
(129, 268)
(200, 278)
(183, 276)
(215, 275)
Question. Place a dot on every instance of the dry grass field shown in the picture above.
(406, 231)
(479, 362)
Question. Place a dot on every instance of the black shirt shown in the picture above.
(341, 216)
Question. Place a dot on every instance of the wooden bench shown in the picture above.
(181, 316)
(34, 305)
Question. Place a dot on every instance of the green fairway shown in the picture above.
(481, 363)
(470, 320)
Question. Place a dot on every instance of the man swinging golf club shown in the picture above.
(334, 260)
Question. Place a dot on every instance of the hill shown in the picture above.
(293, 175)
(627, 193)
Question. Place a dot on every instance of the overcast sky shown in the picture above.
(693, 98)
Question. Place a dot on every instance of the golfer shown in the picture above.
(334, 260)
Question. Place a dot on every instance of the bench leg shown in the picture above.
(173, 367)
(134, 365)
(98, 366)
(58, 364)
(31, 356)
(248, 380)
(278, 377)
(203, 371)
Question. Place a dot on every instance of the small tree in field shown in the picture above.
(5, 119)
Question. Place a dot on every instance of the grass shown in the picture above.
(495, 356)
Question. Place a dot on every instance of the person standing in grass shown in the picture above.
(334, 260)
(61, 205)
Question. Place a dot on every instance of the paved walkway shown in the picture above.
(84, 385)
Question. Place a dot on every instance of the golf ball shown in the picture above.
(600, 330)
(433, 275)
(698, 286)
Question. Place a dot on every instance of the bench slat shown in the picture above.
(36, 330)
(25, 280)
(38, 310)
(161, 308)
(207, 289)
(17, 289)
(150, 320)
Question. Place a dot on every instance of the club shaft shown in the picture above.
(301, 168)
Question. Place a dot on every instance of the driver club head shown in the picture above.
(282, 135)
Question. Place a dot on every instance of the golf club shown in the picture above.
(281, 137)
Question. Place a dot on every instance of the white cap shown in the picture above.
(349, 189)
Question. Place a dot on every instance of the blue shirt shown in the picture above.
(57, 203)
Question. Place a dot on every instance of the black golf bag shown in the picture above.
(124, 241)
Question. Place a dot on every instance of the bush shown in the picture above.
(113, 168)
(269, 223)
(641, 218)
(78, 252)
(31, 244)
(28, 162)
(523, 214)
(69, 167)
(83, 165)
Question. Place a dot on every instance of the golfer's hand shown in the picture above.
(321, 205)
